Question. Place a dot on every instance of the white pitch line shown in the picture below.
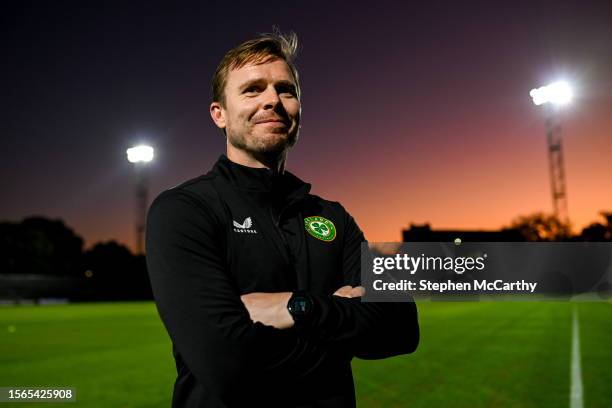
(576, 390)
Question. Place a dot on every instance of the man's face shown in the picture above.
(262, 111)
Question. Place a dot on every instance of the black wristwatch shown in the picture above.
(300, 307)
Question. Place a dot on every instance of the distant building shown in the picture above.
(424, 233)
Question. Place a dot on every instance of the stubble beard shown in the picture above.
(270, 145)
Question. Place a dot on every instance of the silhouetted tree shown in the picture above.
(115, 273)
(597, 231)
(541, 227)
(110, 259)
(39, 245)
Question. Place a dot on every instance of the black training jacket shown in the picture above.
(237, 230)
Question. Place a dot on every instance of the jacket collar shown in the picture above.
(263, 180)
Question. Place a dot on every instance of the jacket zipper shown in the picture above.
(276, 223)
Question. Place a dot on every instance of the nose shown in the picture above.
(271, 98)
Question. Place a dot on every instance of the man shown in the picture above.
(256, 280)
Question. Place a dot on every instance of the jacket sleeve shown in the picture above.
(200, 305)
(371, 330)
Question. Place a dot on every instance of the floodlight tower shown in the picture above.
(140, 156)
(554, 96)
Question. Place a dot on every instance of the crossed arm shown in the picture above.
(270, 308)
(222, 336)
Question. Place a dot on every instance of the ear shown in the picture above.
(217, 113)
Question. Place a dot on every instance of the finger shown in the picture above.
(343, 291)
(357, 291)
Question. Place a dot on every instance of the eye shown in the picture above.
(287, 89)
(252, 89)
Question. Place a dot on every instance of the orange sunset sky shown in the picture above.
(410, 113)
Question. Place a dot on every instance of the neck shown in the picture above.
(274, 162)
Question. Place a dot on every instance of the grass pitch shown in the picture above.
(510, 354)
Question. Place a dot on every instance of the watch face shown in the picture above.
(300, 305)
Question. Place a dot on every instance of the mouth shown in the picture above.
(272, 122)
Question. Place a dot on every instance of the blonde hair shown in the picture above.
(265, 47)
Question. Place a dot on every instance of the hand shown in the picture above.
(350, 291)
(269, 308)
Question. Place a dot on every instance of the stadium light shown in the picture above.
(140, 154)
(553, 96)
(557, 93)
